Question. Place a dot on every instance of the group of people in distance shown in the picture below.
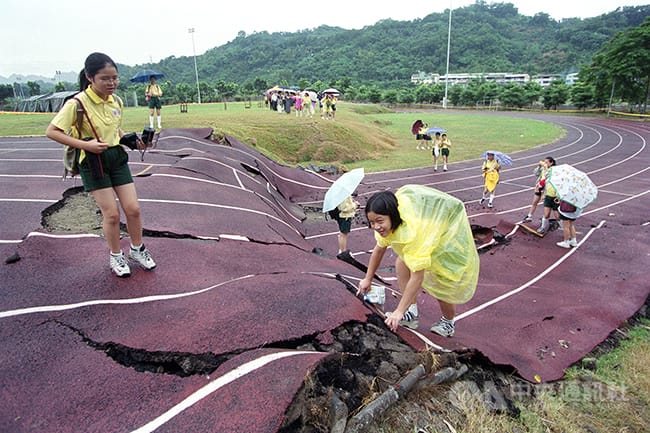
(438, 145)
(304, 103)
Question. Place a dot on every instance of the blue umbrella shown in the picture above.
(501, 157)
(145, 75)
(435, 129)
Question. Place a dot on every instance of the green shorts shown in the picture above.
(154, 102)
(115, 166)
(444, 151)
(345, 224)
(551, 203)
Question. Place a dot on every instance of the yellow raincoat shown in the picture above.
(491, 173)
(435, 235)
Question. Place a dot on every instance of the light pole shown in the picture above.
(444, 102)
(196, 70)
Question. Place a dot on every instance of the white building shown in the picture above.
(496, 77)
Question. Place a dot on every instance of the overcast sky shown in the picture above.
(42, 36)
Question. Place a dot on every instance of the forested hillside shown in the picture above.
(485, 37)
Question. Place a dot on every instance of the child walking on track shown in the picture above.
(430, 233)
(103, 162)
(490, 169)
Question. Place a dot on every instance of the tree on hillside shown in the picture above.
(624, 65)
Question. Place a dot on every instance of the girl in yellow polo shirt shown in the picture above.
(103, 163)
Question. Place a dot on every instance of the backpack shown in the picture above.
(70, 154)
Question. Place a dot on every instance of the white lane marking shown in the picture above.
(531, 282)
(215, 385)
(126, 301)
(220, 206)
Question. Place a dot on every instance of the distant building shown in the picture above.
(424, 78)
(571, 79)
(545, 80)
(496, 77)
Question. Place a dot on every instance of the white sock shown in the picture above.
(151, 121)
(158, 121)
(116, 254)
(444, 319)
(544, 225)
(491, 198)
(136, 248)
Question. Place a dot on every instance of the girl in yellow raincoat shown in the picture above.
(490, 169)
(430, 233)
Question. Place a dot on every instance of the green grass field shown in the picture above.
(362, 135)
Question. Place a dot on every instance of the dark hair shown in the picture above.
(94, 63)
(551, 160)
(384, 203)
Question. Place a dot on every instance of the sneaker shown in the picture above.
(481, 201)
(553, 225)
(119, 265)
(143, 257)
(409, 320)
(541, 230)
(444, 168)
(444, 328)
(527, 219)
(490, 204)
(435, 168)
(573, 242)
(564, 244)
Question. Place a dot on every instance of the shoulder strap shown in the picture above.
(80, 116)
(87, 117)
(119, 101)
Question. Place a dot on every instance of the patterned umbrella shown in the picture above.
(572, 185)
(501, 157)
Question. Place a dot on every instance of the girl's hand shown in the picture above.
(94, 146)
(392, 320)
(364, 285)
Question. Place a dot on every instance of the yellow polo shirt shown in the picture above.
(154, 91)
(106, 117)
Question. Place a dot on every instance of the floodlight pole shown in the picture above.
(444, 102)
(196, 70)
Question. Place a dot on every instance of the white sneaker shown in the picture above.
(444, 167)
(490, 204)
(573, 242)
(119, 265)
(143, 257)
(564, 244)
(409, 320)
(444, 328)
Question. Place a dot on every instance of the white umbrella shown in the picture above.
(342, 188)
(572, 185)
(330, 91)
